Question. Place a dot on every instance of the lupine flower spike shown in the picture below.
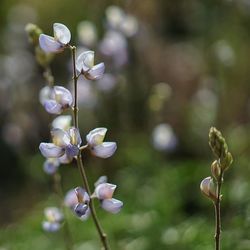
(211, 186)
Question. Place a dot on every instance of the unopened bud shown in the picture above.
(33, 32)
(43, 58)
(217, 143)
(227, 161)
(208, 188)
(216, 170)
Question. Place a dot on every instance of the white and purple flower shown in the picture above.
(104, 192)
(58, 99)
(53, 219)
(57, 43)
(65, 145)
(85, 65)
(97, 146)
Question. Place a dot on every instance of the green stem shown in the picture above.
(102, 235)
(218, 215)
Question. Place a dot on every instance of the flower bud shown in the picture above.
(208, 188)
(105, 191)
(216, 170)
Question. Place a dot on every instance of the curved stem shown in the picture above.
(218, 215)
(102, 235)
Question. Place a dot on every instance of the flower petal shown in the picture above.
(50, 150)
(52, 107)
(104, 150)
(49, 44)
(62, 122)
(60, 137)
(102, 179)
(72, 150)
(51, 226)
(61, 33)
(51, 165)
(96, 136)
(105, 191)
(96, 72)
(75, 137)
(82, 195)
(85, 61)
(112, 205)
(53, 214)
(65, 159)
(80, 209)
(45, 94)
(70, 199)
(63, 96)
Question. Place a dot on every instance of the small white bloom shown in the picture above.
(63, 122)
(57, 43)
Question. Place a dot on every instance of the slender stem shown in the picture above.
(66, 231)
(218, 215)
(102, 235)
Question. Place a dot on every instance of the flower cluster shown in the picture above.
(66, 141)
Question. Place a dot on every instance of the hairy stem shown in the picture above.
(102, 235)
(218, 215)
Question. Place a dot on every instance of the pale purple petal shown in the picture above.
(102, 179)
(96, 136)
(45, 94)
(51, 227)
(104, 150)
(96, 72)
(105, 191)
(49, 44)
(65, 159)
(52, 107)
(70, 199)
(51, 165)
(61, 33)
(112, 205)
(50, 150)
(63, 96)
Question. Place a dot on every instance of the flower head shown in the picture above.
(57, 100)
(208, 188)
(82, 209)
(85, 65)
(65, 145)
(97, 146)
(104, 192)
(53, 219)
(57, 43)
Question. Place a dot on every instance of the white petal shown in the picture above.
(63, 96)
(61, 33)
(50, 150)
(62, 122)
(105, 191)
(96, 136)
(112, 205)
(60, 137)
(96, 72)
(49, 44)
(102, 179)
(85, 61)
(70, 199)
(104, 150)
(45, 94)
